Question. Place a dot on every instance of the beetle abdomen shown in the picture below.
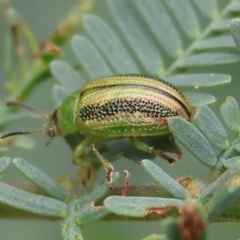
(129, 105)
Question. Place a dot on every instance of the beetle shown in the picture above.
(115, 107)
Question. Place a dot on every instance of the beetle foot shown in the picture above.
(107, 165)
(163, 155)
(109, 178)
(169, 159)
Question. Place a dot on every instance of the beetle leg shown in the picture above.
(79, 150)
(108, 166)
(146, 148)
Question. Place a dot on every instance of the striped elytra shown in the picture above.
(129, 106)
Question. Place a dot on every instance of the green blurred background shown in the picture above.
(43, 17)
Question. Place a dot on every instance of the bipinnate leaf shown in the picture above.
(199, 80)
(208, 8)
(30, 202)
(211, 189)
(110, 45)
(199, 99)
(43, 181)
(67, 76)
(97, 193)
(164, 180)
(102, 54)
(90, 213)
(225, 41)
(89, 57)
(181, 9)
(193, 140)
(139, 206)
(235, 30)
(222, 25)
(59, 94)
(208, 59)
(211, 127)
(85, 208)
(70, 229)
(228, 163)
(143, 45)
(154, 13)
(231, 114)
(4, 163)
(225, 197)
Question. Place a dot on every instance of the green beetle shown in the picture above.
(115, 107)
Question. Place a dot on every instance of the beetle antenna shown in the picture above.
(6, 135)
(19, 104)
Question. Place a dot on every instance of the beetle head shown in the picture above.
(50, 128)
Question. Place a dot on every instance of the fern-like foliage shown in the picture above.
(158, 38)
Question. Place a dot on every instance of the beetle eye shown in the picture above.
(52, 131)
